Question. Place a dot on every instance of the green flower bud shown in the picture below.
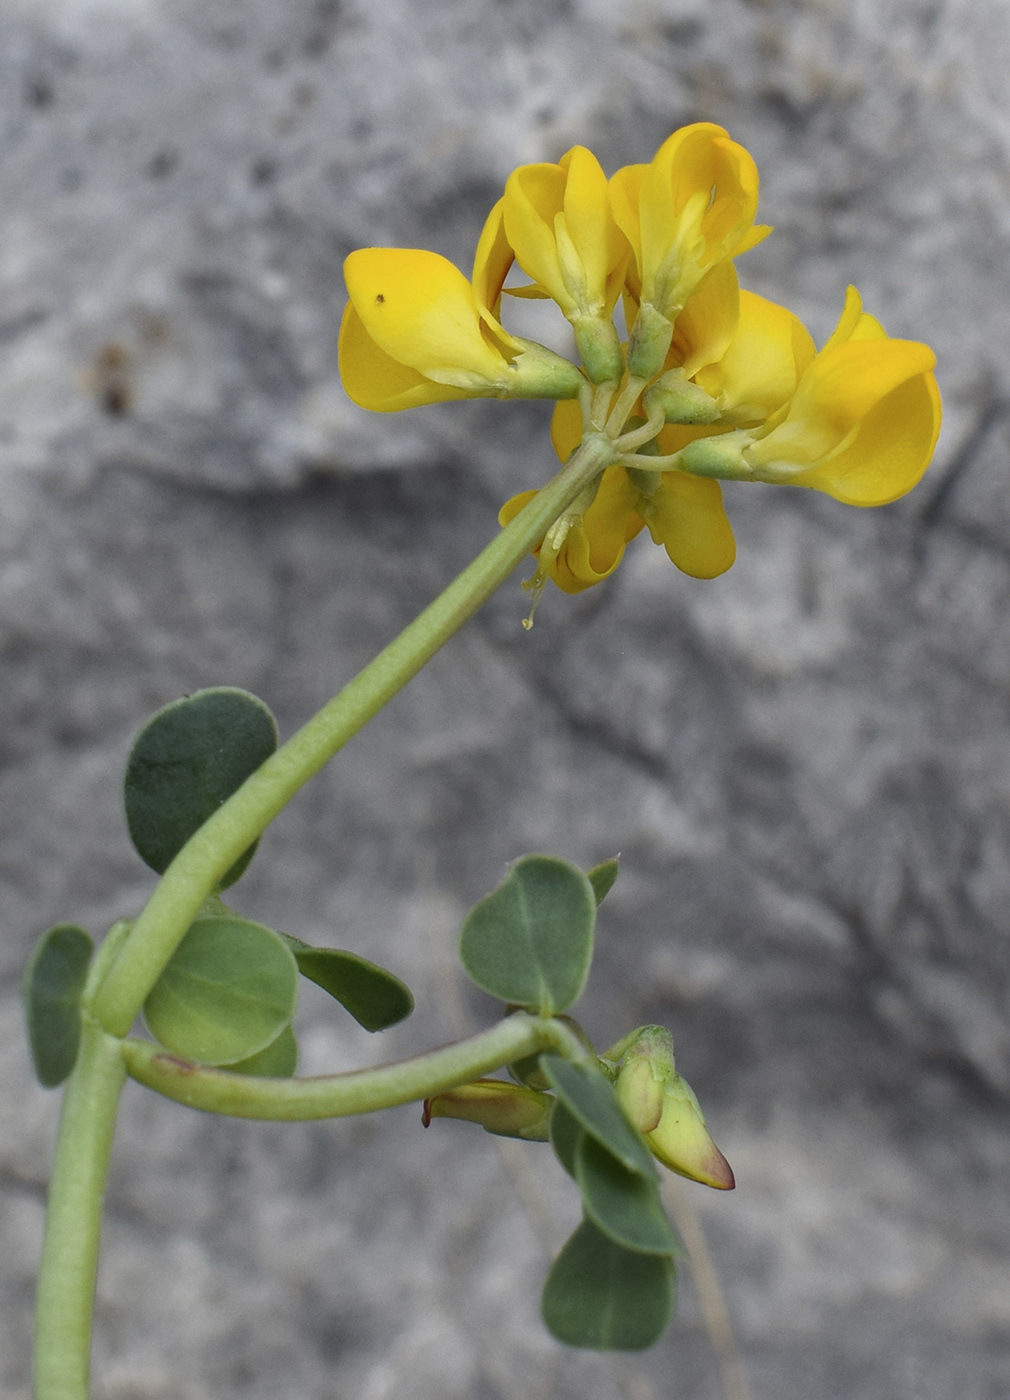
(507, 1110)
(682, 1142)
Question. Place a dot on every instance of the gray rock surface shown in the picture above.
(804, 763)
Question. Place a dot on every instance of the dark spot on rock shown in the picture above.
(162, 163)
(263, 170)
(38, 92)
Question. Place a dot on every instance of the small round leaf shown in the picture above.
(530, 942)
(374, 997)
(53, 982)
(602, 1296)
(186, 761)
(228, 991)
(623, 1204)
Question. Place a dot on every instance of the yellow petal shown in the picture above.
(889, 451)
(836, 393)
(595, 546)
(514, 505)
(686, 516)
(763, 363)
(422, 311)
(706, 326)
(855, 323)
(558, 220)
(589, 222)
(566, 427)
(696, 205)
(624, 192)
(534, 197)
(374, 380)
(492, 261)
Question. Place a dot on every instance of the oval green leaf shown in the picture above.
(607, 1298)
(589, 1096)
(228, 991)
(278, 1060)
(53, 982)
(374, 997)
(624, 1205)
(186, 761)
(530, 942)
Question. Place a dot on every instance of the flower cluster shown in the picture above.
(714, 383)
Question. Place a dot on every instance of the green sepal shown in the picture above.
(52, 986)
(374, 997)
(589, 1096)
(624, 1205)
(601, 1296)
(602, 878)
(278, 1060)
(186, 761)
(228, 991)
(530, 941)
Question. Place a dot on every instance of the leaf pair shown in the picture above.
(613, 1285)
(530, 942)
(228, 994)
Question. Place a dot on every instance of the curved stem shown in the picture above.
(238, 822)
(358, 1091)
(66, 1286)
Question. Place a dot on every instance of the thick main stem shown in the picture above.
(220, 841)
(66, 1286)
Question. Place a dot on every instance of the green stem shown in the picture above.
(359, 1091)
(199, 866)
(66, 1286)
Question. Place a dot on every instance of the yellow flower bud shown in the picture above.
(499, 1106)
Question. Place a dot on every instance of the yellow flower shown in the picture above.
(415, 332)
(555, 221)
(558, 222)
(860, 422)
(692, 207)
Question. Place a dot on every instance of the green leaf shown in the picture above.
(530, 942)
(278, 1060)
(602, 878)
(589, 1096)
(566, 1134)
(623, 1204)
(53, 982)
(228, 991)
(602, 1296)
(186, 761)
(374, 997)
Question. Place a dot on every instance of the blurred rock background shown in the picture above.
(804, 763)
